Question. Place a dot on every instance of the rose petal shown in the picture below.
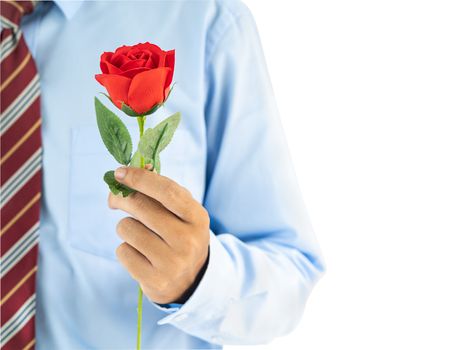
(133, 72)
(119, 59)
(123, 49)
(157, 53)
(117, 87)
(144, 54)
(152, 62)
(170, 63)
(147, 89)
(150, 47)
(134, 51)
(105, 57)
(133, 64)
(108, 68)
(131, 56)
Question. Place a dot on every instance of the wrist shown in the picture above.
(190, 290)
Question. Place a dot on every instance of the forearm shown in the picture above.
(249, 294)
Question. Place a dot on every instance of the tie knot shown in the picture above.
(12, 11)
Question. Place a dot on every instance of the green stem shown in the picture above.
(141, 124)
(140, 312)
(141, 127)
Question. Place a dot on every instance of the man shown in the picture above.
(220, 242)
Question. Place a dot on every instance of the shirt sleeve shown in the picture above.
(264, 259)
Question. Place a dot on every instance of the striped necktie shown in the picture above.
(20, 179)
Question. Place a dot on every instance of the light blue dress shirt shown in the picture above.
(229, 151)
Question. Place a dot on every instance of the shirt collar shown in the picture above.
(69, 8)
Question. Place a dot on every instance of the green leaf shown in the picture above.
(107, 96)
(136, 160)
(114, 133)
(110, 100)
(154, 109)
(156, 139)
(130, 112)
(157, 164)
(115, 186)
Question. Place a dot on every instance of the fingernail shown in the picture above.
(120, 173)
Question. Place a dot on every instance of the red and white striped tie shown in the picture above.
(20, 179)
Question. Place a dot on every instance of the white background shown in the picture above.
(371, 98)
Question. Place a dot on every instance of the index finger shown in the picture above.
(170, 194)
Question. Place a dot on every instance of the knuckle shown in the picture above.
(112, 201)
(188, 213)
(138, 200)
(204, 239)
(189, 241)
(124, 225)
(198, 245)
(185, 191)
(188, 252)
(121, 251)
(135, 176)
(171, 191)
(202, 219)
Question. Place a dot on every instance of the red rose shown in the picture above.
(138, 76)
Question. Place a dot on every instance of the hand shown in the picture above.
(166, 241)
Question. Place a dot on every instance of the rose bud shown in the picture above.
(137, 77)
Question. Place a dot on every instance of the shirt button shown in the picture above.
(180, 317)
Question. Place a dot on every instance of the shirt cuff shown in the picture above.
(212, 296)
(167, 308)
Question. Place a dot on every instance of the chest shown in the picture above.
(74, 157)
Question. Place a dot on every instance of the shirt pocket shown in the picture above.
(91, 224)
